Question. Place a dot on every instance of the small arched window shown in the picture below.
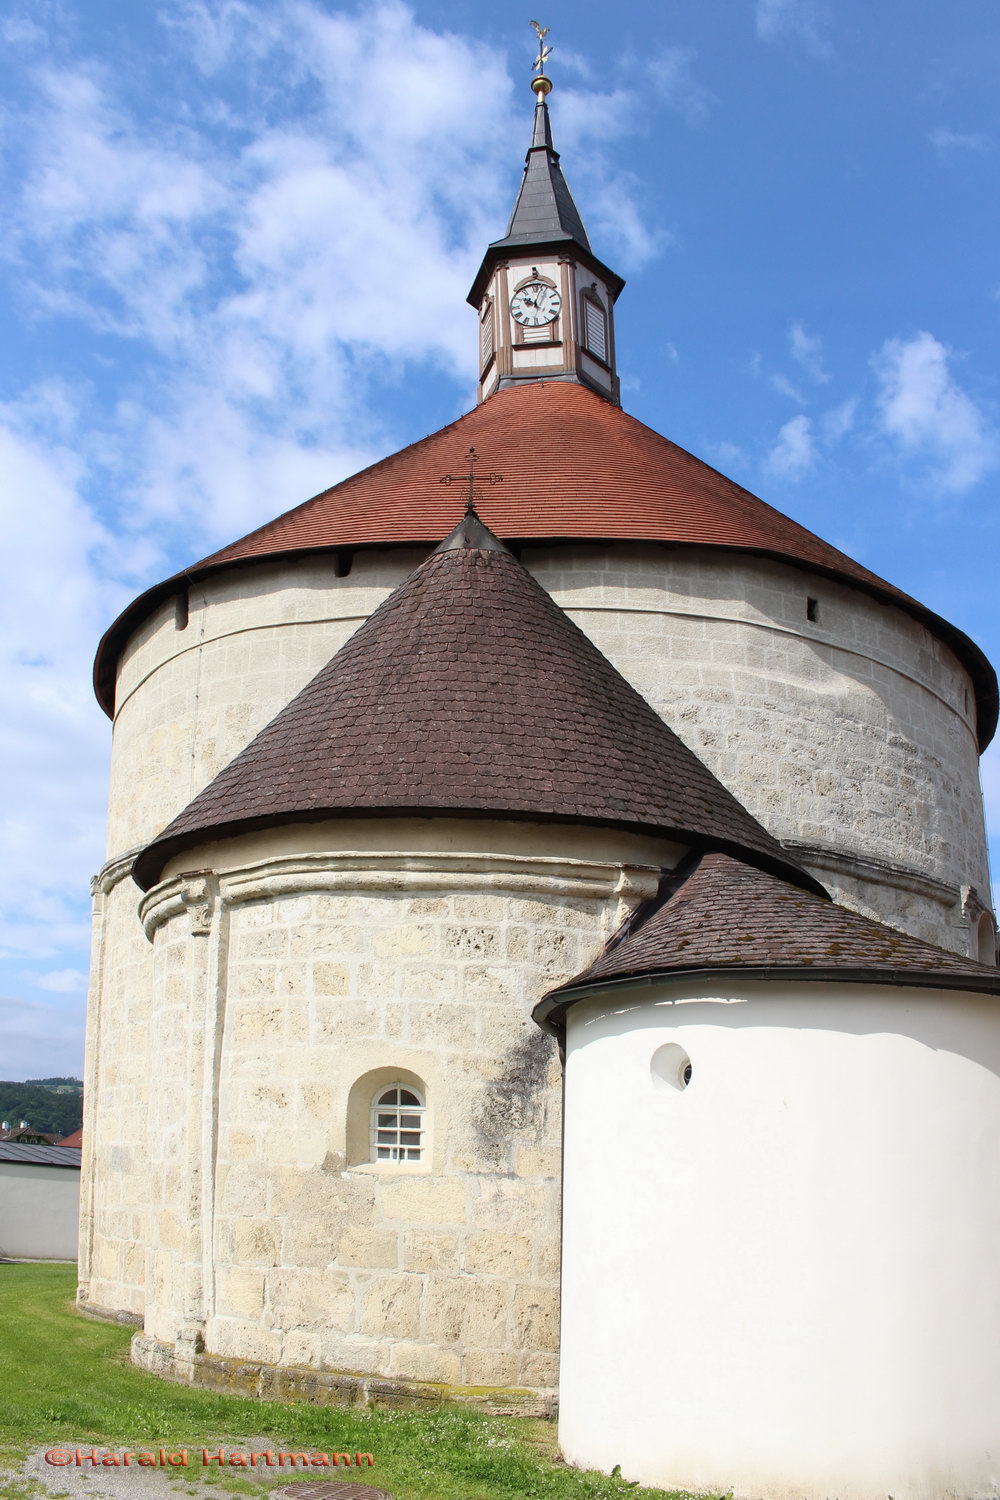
(595, 326)
(986, 940)
(397, 1123)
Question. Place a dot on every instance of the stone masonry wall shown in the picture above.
(849, 735)
(281, 982)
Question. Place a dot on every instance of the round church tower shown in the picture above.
(380, 793)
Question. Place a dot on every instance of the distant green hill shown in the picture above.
(51, 1106)
(61, 1085)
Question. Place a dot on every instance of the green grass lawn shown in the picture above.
(66, 1379)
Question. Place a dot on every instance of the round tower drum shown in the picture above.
(841, 722)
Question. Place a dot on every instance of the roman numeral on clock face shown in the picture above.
(535, 304)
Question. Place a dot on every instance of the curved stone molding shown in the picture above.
(397, 870)
(113, 872)
(369, 870)
(878, 871)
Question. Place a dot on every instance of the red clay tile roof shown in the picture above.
(574, 466)
(727, 917)
(75, 1139)
(470, 691)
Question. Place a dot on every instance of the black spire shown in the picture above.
(544, 212)
(545, 216)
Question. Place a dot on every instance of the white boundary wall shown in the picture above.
(39, 1211)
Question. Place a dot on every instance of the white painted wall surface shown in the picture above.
(39, 1211)
(782, 1280)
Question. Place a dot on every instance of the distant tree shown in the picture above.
(46, 1110)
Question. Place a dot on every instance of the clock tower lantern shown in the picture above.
(545, 302)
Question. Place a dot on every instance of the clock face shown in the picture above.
(535, 304)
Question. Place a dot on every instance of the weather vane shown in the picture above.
(544, 51)
(470, 481)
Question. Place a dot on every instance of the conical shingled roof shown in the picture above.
(469, 691)
(605, 476)
(730, 918)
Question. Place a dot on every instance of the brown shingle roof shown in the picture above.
(470, 691)
(727, 917)
(574, 466)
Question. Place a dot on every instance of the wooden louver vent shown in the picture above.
(595, 328)
(486, 338)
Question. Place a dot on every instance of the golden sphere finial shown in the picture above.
(540, 84)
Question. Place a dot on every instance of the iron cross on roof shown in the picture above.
(470, 481)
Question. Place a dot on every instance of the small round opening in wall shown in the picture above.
(670, 1067)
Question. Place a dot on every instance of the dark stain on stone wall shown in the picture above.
(515, 1100)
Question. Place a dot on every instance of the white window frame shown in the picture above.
(386, 1139)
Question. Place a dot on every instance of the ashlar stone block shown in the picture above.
(392, 1306)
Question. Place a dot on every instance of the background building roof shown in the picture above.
(575, 467)
(45, 1156)
(470, 691)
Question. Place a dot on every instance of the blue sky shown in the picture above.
(237, 242)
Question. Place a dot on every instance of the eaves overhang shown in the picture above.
(551, 1011)
(152, 860)
(565, 245)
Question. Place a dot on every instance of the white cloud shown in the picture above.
(247, 263)
(794, 452)
(838, 421)
(63, 982)
(927, 415)
(53, 749)
(807, 351)
(990, 769)
(945, 141)
(37, 1040)
(671, 71)
(784, 387)
(805, 22)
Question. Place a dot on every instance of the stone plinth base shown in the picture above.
(328, 1387)
(107, 1314)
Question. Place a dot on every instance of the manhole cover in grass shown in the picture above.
(327, 1489)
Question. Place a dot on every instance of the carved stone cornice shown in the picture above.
(194, 892)
(199, 892)
(114, 872)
